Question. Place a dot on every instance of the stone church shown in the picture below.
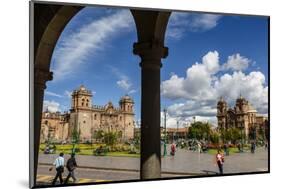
(242, 116)
(87, 119)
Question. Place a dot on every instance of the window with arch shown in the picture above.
(95, 117)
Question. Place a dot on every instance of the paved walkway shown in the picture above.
(184, 162)
(48, 178)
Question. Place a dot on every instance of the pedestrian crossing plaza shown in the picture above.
(49, 179)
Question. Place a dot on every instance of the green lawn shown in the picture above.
(231, 150)
(123, 154)
(87, 149)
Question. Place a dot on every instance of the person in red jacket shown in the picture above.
(173, 149)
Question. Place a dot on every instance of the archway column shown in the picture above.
(41, 76)
(151, 27)
(151, 54)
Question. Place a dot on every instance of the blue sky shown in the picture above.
(209, 56)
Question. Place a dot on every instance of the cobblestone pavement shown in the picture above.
(194, 162)
(92, 175)
(184, 163)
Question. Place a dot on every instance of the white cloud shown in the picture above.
(197, 93)
(172, 120)
(132, 91)
(205, 21)
(67, 93)
(49, 93)
(198, 81)
(175, 84)
(251, 86)
(89, 40)
(124, 81)
(51, 106)
(236, 62)
(124, 84)
(181, 22)
(211, 62)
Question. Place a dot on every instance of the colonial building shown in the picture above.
(242, 116)
(54, 126)
(87, 119)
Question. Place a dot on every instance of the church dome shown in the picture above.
(126, 98)
(82, 88)
(241, 100)
(109, 105)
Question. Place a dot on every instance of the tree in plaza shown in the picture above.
(235, 135)
(199, 130)
(75, 139)
(222, 134)
(261, 133)
(75, 136)
(99, 135)
(231, 134)
(215, 137)
(119, 136)
(252, 133)
(110, 138)
(228, 135)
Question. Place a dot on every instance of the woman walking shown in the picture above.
(220, 161)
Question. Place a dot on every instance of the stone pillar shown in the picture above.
(41, 76)
(151, 54)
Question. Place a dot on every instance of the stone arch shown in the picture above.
(58, 17)
(151, 26)
(50, 20)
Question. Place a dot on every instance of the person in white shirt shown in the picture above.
(59, 164)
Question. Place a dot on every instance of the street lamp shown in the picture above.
(165, 133)
(177, 130)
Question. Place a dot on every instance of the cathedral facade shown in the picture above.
(242, 116)
(87, 119)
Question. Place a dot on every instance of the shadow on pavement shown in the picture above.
(210, 172)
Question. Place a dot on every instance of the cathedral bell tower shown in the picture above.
(81, 99)
(126, 104)
(242, 105)
(222, 113)
(80, 114)
(241, 110)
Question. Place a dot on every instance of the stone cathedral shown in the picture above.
(242, 116)
(87, 119)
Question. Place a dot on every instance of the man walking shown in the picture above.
(71, 166)
(59, 164)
